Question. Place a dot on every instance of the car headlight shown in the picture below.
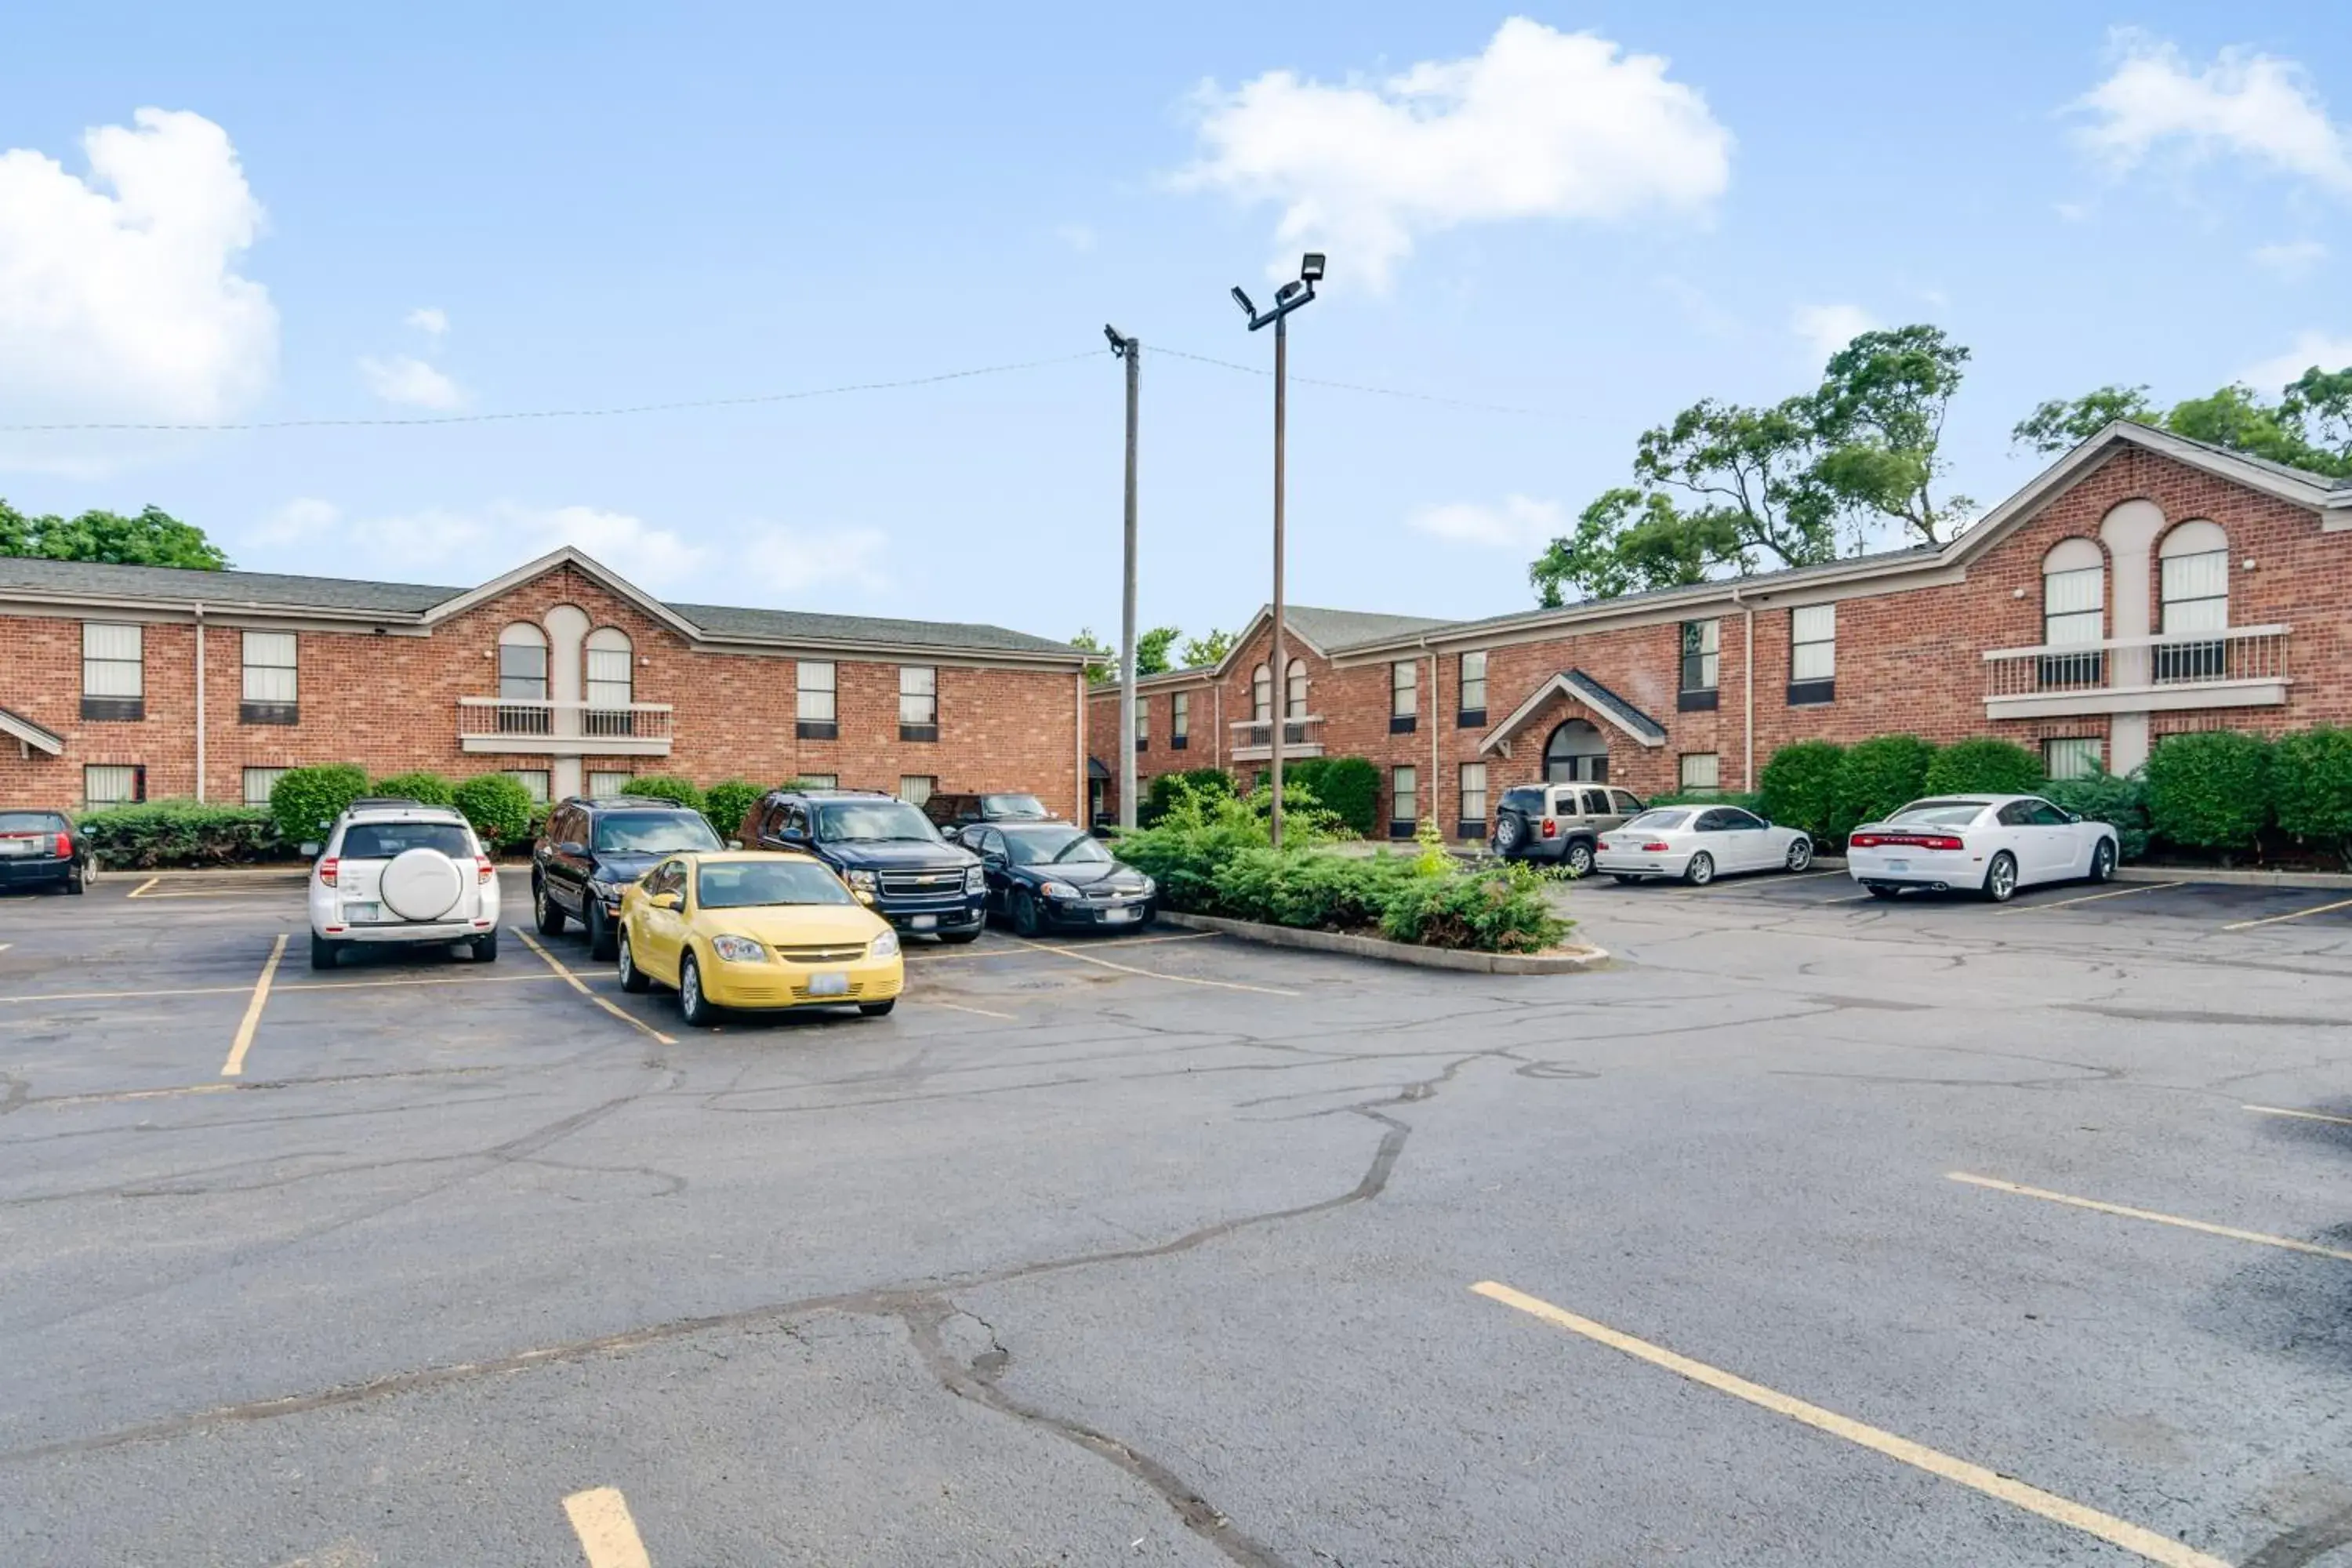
(975, 880)
(860, 879)
(1149, 888)
(738, 949)
(885, 946)
(1058, 890)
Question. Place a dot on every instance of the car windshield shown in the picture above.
(749, 884)
(874, 820)
(1003, 805)
(1660, 821)
(1054, 847)
(383, 840)
(1938, 814)
(653, 833)
(31, 822)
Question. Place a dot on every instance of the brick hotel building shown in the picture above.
(2142, 585)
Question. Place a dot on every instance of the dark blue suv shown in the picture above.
(889, 853)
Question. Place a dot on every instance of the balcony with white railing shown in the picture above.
(1254, 738)
(2232, 666)
(568, 729)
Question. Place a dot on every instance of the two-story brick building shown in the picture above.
(2141, 585)
(132, 682)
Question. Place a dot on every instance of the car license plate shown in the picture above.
(16, 847)
(1114, 917)
(925, 923)
(362, 914)
(1898, 865)
(828, 985)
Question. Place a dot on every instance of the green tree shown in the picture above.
(2319, 401)
(2061, 423)
(152, 538)
(1104, 673)
(1209, 647)
(2309, 427)
(16, 532)
(1879, 417)
(1151, 649)
(1627, 542)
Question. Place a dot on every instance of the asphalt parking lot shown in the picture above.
(1816, 1229)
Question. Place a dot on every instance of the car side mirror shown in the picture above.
(667, 902)
(2074, 816)
(572, 846)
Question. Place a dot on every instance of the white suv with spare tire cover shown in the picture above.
(401, 871)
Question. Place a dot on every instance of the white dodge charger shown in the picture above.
(1697, 843)
(1991, 844)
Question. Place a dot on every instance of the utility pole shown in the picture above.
(1131, 350)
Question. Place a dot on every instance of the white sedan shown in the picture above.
(1698, 844)
(1993, 843)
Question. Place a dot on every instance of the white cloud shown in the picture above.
(2328, 351)
(2291, 259)
(406, 380)
(1518, 523)
(1079, 236)
(2254, 106)
(1826, 329)
(1539, 124)
(120, 298)
(790, 559)
(430, 320)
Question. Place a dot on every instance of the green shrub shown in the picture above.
(726, 803)
(1801, 788)
(1983, 766)
(2310, 785)
(2121, 803)
(500, 809)
(305, 802)
(426, 789)
(1493, 909)
(1876, 776)
(1305, 887)
(2210, 790)
(664, 787)
(1167, 788)
(1348, 787)
(179, 833)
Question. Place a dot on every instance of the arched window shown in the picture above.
(1294, 692)
(1262, 696)
(1575, 752)
(2194, 561)
(611, 682)
(523, 680)
(2073, 610)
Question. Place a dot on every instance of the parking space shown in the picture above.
(1817, 1228)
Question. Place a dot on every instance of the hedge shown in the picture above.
(2210, 790)
(1875, 777)
(1754, 802)
(2121, 803)
(663, 786)
(1348, 787)
(726, 803)
(426, 789)
(305, 802)
(1168, 788)
(1800, 788)
(2311, 784)
(500, 809)
(1983, 766)
(179, 833)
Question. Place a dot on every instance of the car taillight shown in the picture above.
(65, 846)
(1654, 848)
(1551, 828)
(483, 870)
(327, 873)
(1906, 841)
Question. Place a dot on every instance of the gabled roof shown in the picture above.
(17, 727)
(800, 625)
(1580, 687)
(224, 590)
(1325, 632)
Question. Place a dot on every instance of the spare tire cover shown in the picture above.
(421, 885)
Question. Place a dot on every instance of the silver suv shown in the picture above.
(401, 871)
(1560, 822)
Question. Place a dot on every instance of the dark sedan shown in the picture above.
(1049, 876)
(37, 849)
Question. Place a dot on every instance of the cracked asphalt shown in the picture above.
(1160, 1249)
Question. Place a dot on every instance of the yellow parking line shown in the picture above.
(608, 1536)
(2289, 1243)
(959, 1007)
(2131, 1537)
(2314, 909)
(234, 1066)
(2092, 898)
(1152, 974)
(582, 986)
(142, 887)
(2299, 1115)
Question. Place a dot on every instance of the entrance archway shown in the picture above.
(1575, 752)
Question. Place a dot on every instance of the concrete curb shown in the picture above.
(1381, 947)
(2317, 882)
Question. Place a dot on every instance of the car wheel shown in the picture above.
(598, 928)
(544, 913)
(324, 953)
(2103, 861)
(1507, 835)
(1801, 854)
(1878, 892)
(1701, 869)
(633, 979)
(1026, 920)
(877, 1009)
(485, 948)
(1578, 859)
(692, 1004)
(2001, 878)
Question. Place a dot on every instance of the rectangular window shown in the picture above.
(1470, 818)
(260, 782)
(814, 679)
(271, 687)
(522, 671)
(919, 702)
(1142, 721)
(107, 784)
(606, 785)
(820, 781)
(1701, 771)
(1404, 801)
(1404, 697)
(113, 671)
(1812, 654)
(611, 679)
(2072, 756)
(915, 788)
(1702, 644)
(1472, 710)
(1179, 720)
(533, 780)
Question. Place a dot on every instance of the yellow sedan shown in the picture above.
(756, 930)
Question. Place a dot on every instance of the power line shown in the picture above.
(607, 413)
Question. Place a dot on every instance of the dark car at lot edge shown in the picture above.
(39, 849)
(1052, 876)
(591, 849)
(888, 852)
(948, 812)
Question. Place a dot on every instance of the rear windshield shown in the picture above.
(1013, 806)
(1524, 799)
(383, 840)
(1939, 812)
(747, 884)
(653, 833)
(31, 822)
(1660, 821)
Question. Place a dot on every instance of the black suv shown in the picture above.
(889, 853)
(949, 811)
(591, 849)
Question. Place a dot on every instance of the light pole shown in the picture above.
(1131, 350)
(1287, 299)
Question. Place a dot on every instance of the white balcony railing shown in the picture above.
(1254, 738)
(2232, 667)
(539, 724)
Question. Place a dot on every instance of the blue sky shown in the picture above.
(489, 209)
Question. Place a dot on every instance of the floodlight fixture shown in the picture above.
(1310, 266)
